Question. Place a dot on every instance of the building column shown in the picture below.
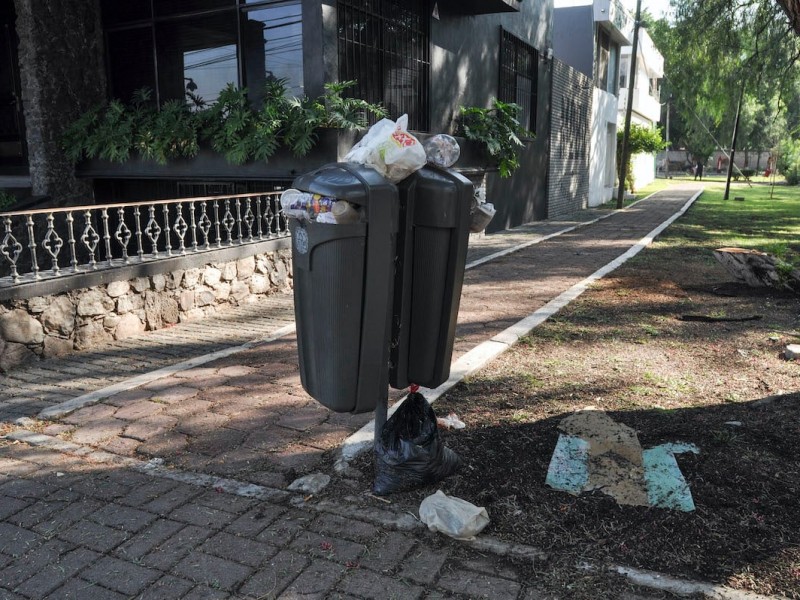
(62, 75)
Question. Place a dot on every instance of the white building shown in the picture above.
(588, 35)
(646, 109)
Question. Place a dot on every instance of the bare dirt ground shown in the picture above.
(627, 348)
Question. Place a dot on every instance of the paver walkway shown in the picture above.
(176, 488)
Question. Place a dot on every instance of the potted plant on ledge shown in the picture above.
(229, 138)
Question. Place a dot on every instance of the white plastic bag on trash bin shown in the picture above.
(453, 516)
(389, 149)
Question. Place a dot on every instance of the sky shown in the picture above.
(656, 7)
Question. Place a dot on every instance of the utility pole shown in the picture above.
(666, 167)
(623, 171)
(733, 141)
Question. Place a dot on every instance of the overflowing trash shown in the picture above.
(453, 516)
(410, 452)
(594, 452)
(316, 207)
(389, 149)
(481, 212)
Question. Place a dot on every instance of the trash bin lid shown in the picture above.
(346, 181)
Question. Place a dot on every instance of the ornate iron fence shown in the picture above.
(49, 243)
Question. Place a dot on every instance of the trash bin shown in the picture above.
(343, 284)
(432, 251)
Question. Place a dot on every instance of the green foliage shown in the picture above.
(7, 200)
(331, 110)
(231, 125)
(714, 49)
(500, 131)
(789, 161)
(641, 139)
(335, 110)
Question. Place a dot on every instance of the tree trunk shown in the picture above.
(759, 269)
(62, 72)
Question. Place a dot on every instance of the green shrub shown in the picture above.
(7, 200)
(640, 139)
(748, 172)
(789, 161)
(234, 128)
(499, 129)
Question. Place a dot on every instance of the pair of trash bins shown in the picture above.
(376, 301)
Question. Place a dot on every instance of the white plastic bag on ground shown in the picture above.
(389, 149)
(453, 516)
(451, 421)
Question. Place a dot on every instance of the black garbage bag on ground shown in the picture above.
(410, 452)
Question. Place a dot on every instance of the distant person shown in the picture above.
(698, 170)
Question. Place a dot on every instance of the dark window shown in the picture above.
(384, 46)
(177, 47)
(519, 82)
(131, 61)
(196, 55)
(602, 59)
(166, 8)
(272, 47)
(606, 62)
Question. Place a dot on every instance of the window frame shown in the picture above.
(239, 8)
(372, 53)
(511, 67)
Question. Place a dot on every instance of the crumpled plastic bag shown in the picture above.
(453, 516)
(410, 452)
(389, 149)
(451, 421)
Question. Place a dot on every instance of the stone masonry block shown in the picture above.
(366, 584)
(478, 585)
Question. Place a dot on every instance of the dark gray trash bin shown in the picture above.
(432, 252)
(343, 283)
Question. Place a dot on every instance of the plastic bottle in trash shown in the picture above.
(442, 150)
(305, 205)
(344, 212)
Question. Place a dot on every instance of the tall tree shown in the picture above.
(715, 47)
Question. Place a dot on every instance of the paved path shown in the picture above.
(176, 488)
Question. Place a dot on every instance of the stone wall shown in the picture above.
(55, 325)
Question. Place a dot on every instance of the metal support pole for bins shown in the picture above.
(381, 410)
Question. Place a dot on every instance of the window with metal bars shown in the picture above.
(519, 81)
(384, 45)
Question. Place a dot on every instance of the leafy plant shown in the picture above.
(232, 126)
(7, 200)
(500, 131)
(344, 112)
(789, 161)
(641, 139)
(331, 110)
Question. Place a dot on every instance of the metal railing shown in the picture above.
(50, 243)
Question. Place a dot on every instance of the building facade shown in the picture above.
(426, 58)
(646, 106)
(588, 36)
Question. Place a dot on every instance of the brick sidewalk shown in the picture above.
(176, 488)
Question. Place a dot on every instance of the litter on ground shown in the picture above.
(594, 452)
